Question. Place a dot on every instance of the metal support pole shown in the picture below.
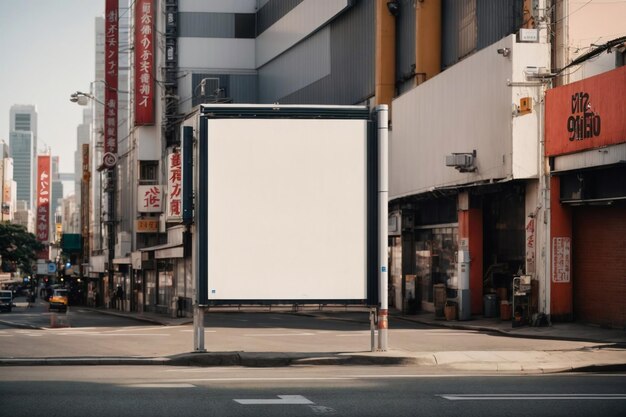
(111, 185)
(373, 329)
(383, 197)
(198, 328)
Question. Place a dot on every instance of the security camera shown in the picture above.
(394, 7)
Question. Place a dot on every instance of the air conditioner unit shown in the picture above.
(463, 162)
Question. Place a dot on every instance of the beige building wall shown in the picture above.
(580, 25)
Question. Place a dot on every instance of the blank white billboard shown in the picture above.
(286, 210)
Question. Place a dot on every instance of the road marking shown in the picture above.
(284, 400)
(191, 330)
(278, 334)
(159, 386)
(500, 397)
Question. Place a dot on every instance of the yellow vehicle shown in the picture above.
(58, 301)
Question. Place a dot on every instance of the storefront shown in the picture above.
(164, 283)
(427, 233)
(586, 144)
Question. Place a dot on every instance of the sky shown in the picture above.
(47, 52)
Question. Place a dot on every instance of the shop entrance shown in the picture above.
(503, 240)
(599, 265)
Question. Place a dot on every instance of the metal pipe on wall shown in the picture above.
(383, 201)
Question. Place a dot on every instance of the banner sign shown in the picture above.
(144, 62)
(111, 30)
(174, 187)
(43, 198)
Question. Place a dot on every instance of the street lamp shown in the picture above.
(108, 165)
(82, 99)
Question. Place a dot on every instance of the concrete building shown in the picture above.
(8, 187)
(24, 216)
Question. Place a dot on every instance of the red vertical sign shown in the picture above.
(110, 78)
(43, 197)
(144, 62)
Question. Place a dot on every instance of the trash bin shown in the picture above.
(490, 305)
(439, 297)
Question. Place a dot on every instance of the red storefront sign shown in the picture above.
(586, 114)
(111, 29)
(43, 197)
(144, 62)
(174, 186)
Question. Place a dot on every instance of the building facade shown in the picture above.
(586, 146)
(470, 191)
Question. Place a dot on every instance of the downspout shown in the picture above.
(385, 66)
(544, 170)
(427, 39)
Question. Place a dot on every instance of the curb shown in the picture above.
(278, 359)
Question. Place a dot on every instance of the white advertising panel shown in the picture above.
(287, 209)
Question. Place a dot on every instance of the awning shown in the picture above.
(121, 261)
(166, 251)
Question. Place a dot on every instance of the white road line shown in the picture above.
(191, 330)
(277, 334)
(107, 334)
(284, 400)
(501, 397)
(159, 386)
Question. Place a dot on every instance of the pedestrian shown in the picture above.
(119, 294)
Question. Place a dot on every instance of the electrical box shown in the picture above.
(525, 105)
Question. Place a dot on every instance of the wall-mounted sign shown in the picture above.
(111, 46)
(144, 62)
(43, 198)
(150, 199)
(174, 208)
(586, 114)
(561, 259)
(147, 225)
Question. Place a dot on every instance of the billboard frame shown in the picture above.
(208, 112)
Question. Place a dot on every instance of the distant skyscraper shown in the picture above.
(23, 144)
(24, 171)
(24, 118)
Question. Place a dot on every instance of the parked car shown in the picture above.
(58, 300)
(6, 300)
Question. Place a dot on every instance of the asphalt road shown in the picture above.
(301, 391)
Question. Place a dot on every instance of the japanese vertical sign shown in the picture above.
(174, 186)
(144, 62)
(43, 197)
(110, 78)
(561, 259)
(149, 199)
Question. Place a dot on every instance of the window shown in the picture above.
(148, 172)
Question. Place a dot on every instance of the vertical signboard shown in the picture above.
(43, 198)
(144, 62)
(561, 259)
(174, 187)
(110, 77)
